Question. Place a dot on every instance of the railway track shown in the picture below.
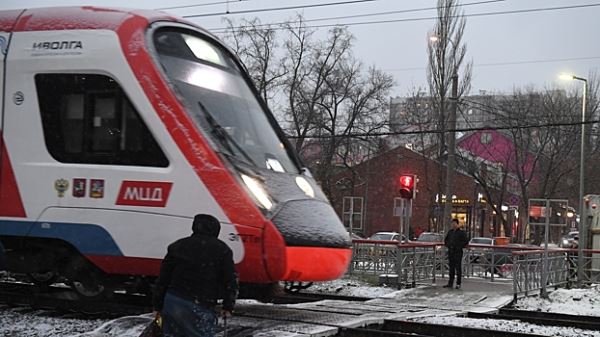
(385, 327)
(544, 318)
(62, 299)
(312, 297)
(333, 315)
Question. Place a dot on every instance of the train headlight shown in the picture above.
(258, 191)
(305, 187)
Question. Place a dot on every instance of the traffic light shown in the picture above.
(408, 184)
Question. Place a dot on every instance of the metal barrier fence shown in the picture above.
(404, 264)
(591, 265)
(528, 271)
(410, 263)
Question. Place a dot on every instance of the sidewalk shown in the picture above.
(478, 295)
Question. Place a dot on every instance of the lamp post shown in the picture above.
(451, 151)
(582, 215)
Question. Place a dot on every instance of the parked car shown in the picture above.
(503, 255)
(354, 236)
(571, 240)
(381, 250)
(478, 248)
(387, 236)
(482, 241)
(430, 237)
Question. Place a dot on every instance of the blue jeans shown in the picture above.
(184, 318)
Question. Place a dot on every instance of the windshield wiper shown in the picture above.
(225, 138)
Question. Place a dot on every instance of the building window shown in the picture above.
(485, 138)
(88, 119)
(353, 214)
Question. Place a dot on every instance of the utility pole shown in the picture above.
(451, 157)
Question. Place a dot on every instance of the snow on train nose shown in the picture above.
(317, 244)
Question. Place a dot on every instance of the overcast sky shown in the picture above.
(508, 50)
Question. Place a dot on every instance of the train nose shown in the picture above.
(311, 223)
(317, 245)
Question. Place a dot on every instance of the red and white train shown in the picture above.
(117, 126)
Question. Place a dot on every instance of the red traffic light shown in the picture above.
(407, 181)
(407, 186)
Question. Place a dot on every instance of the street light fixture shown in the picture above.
(582, 216)
(434, 38)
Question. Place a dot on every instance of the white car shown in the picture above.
(570, 240)
(482, 241)
(387, 236)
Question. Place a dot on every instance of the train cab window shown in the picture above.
(219, 98)
(88, 119)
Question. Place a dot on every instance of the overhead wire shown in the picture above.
(360, 23)
(273, 9)
(493, 64)
(412, 10)
(483, 106)
(483, 128)
(200, 5)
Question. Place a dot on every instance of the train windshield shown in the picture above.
(220, 100)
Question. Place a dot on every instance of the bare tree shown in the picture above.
(325, 92)
(415, 117)
(446, 55)
(540, 157)
(354, 103)
(256, 45)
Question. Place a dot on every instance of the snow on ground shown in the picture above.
(513, 326)
(130, 326)
(566, 301)
(350, 287)
(19, 322)
(16, 323)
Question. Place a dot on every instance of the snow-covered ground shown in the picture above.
(513, 326)
(19, 322)
(566, 301)
(350, 287)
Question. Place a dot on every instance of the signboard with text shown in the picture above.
(548, 211)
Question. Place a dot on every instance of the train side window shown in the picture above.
(88, 119)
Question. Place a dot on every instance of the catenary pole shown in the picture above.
(451, 156)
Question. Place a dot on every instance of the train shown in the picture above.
(118, 126)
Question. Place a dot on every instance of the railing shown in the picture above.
(529, 275)
(495, 261)
(591, 265)
(404, 264)
(410, 263)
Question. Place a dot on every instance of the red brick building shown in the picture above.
(365, 198)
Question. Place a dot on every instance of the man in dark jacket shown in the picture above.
(196, 271)
(455, 241)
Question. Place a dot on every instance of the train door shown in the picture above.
(10, 201)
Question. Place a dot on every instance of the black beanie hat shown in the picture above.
(206, 224)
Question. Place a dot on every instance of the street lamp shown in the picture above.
(451, 150)
(582, 216)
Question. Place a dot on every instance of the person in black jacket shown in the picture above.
(455, 241)
(195, 273)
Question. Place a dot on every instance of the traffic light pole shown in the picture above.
(405, 215)
(451, 161)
